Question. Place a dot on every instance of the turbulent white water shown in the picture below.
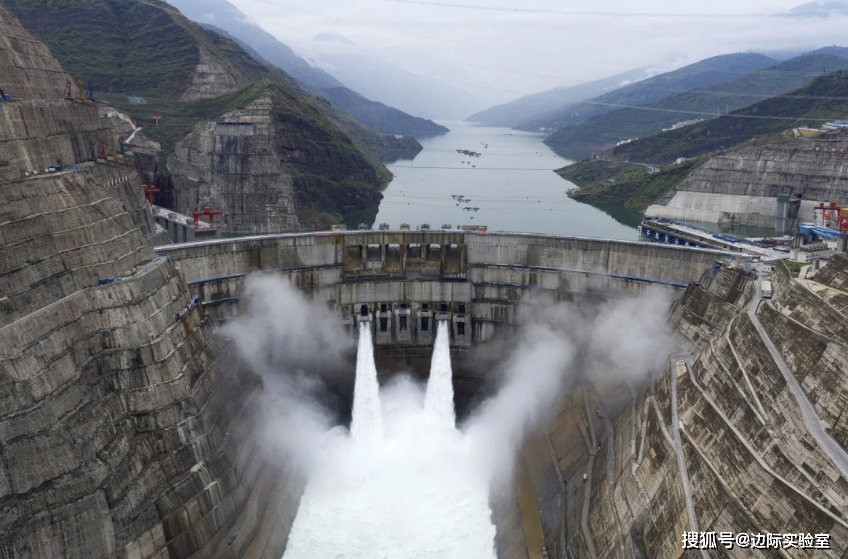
(399, 487)
(438, 400)
(367, 422)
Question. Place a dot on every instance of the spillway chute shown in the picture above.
(367, 421)
(438, 400)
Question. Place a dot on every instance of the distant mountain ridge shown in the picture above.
(605, 130)
(705, 72)
(618, 177)
(824, 98)
(369, 73)
(228, 20)
(531, 106)
(824, 7)
(225, 16)
(380, 117)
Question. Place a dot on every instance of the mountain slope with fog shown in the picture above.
(531, 106)
(226, 19)
(699, 74)
(604, 131)
(366, 72)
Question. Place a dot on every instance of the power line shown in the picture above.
(528, 51)
(616, 14)
(709, 114)
(581, 208)
(565, 83)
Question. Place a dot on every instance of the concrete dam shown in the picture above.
(610, 399)
(402, 286)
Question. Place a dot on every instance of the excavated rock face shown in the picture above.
(110, 396)
(28, 69)
(742, 186)
(231, 165)
(210, 79)
(719, 443)
(278, 165)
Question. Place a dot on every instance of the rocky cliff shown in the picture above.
(328, 163)
(119, 433)
(742, 433)
(273, 167)
(742, 186)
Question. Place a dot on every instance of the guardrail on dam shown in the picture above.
(404, 280)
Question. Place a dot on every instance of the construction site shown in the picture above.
(128, 430)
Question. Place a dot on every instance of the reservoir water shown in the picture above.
(511, 182)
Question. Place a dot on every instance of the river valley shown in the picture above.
(511, 183)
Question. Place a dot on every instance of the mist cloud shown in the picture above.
(499, 56)
(620, 340)
(418, 488)
(293, 345)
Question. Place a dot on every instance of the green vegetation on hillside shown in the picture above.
(602, 131)
(584, 173)
(148, 49)
(825, 98)
(711, 70)
(629, 186)
(380, 117)
(119, 46)
(303, 123)
(180, 117)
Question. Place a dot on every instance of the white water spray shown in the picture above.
(367, 422)
(397, 486)
(438, 400)
(410, 491)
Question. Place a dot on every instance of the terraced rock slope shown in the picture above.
(119, 433)
(744, 434)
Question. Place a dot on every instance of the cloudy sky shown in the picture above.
(499, 53)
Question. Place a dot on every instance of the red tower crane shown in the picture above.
(150, 190)
(208, 212)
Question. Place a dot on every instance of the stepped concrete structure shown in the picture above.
(742, 186)
(126, 430)
(231, 165)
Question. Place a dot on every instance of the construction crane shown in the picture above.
(208, 212)
(149, 190)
